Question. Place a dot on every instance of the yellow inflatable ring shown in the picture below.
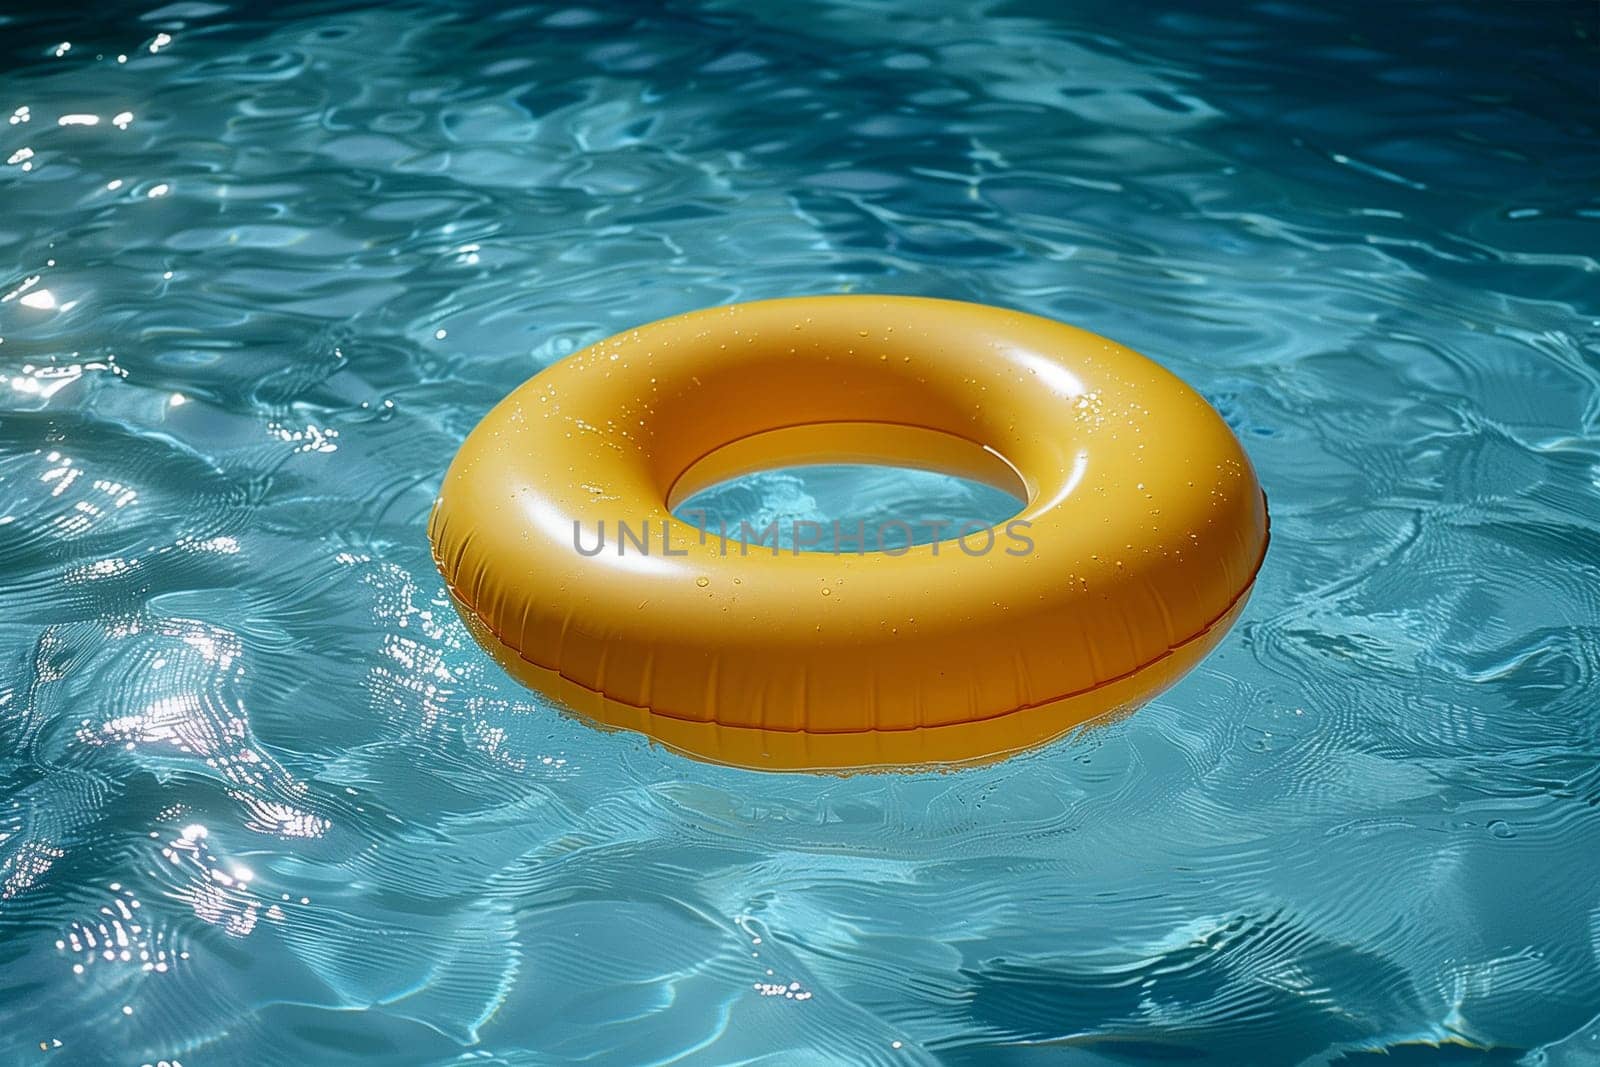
(1144, 521)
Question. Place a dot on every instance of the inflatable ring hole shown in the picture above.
(849, 487)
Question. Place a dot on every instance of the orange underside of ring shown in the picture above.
(962, 744)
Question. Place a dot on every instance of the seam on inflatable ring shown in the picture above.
(1266, 541)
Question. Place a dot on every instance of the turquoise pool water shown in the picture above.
(262, 801)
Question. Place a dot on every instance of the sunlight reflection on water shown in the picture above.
(264, 272)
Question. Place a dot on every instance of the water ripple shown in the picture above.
(248, 312)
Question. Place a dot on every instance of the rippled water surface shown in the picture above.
(262, 801)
